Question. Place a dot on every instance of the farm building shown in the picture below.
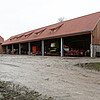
(1, 41)
(75, 37)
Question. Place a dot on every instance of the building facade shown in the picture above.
(75, 37)
(1, 41)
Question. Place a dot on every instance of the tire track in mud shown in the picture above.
(11, 65)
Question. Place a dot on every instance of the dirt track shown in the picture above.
(52, 76)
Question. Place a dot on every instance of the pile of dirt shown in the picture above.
(10, 91)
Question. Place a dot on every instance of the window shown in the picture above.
(18, 37)
(27, 35)
(38, 32)
(12, 39)
(55, 28)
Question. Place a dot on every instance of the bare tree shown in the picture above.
(61, 19)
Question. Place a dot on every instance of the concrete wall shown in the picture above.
(96, 50)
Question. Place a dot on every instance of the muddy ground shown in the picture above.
(52, 76)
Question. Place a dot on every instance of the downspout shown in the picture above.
(93, 44)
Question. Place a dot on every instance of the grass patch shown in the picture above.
(10, 91)
(91, 66)
(95, 66)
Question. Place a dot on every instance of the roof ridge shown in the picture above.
(82, 16)
(57, 23)
(66, 20)
(79, 24)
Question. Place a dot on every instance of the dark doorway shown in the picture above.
(77, 45)
(52, 47)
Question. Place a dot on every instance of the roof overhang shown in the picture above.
(52, 37)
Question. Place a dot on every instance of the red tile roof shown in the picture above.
(28, 33)
(80, 24)
(56, 26)
(1, 39)
(41, 30)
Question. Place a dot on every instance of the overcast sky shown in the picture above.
(18, 16)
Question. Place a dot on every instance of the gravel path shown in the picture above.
(52, 76)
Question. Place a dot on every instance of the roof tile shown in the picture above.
(80, 24)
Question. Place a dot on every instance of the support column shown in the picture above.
(42, 47)
(91, 50)
(92, 45)
(12, 46)
(29, 48)
(62, 51)
(6, 49)
(19, 49)
(94, 52)
(2, 50)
